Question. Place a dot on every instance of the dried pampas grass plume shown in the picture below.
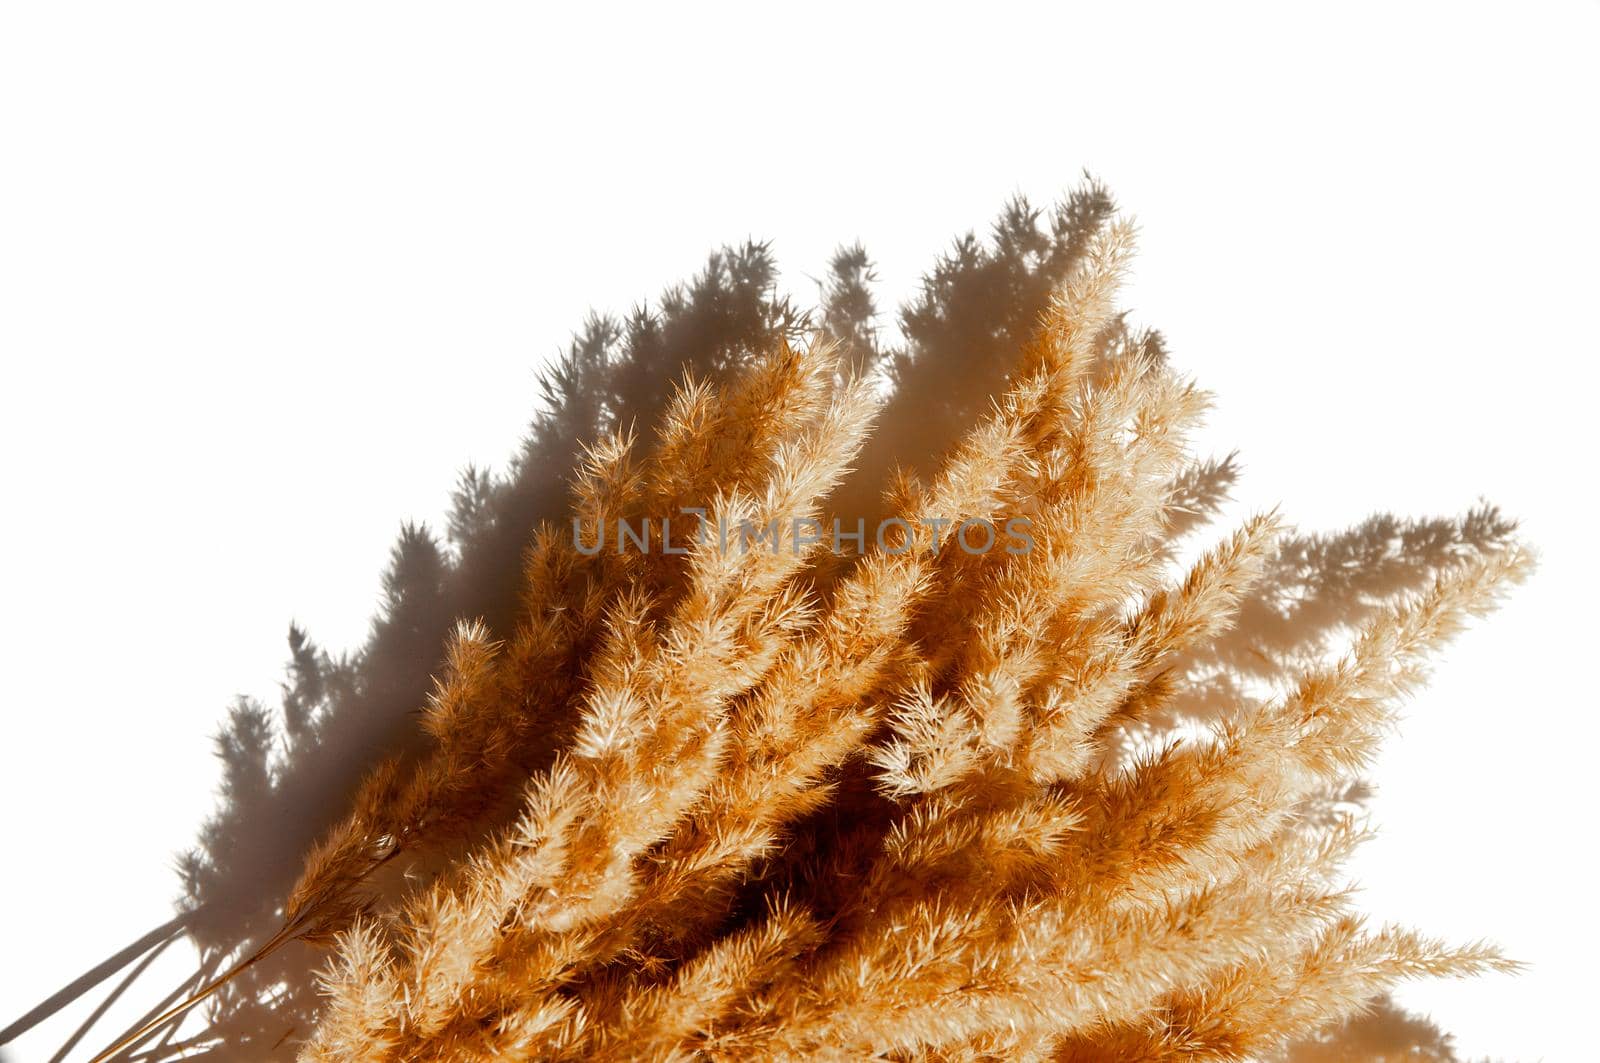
(914, 802)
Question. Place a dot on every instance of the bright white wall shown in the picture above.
(269, 275)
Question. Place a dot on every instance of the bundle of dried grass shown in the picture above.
(937, 794)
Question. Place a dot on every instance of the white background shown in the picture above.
(270, 274)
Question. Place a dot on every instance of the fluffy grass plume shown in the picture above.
(899, 800)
